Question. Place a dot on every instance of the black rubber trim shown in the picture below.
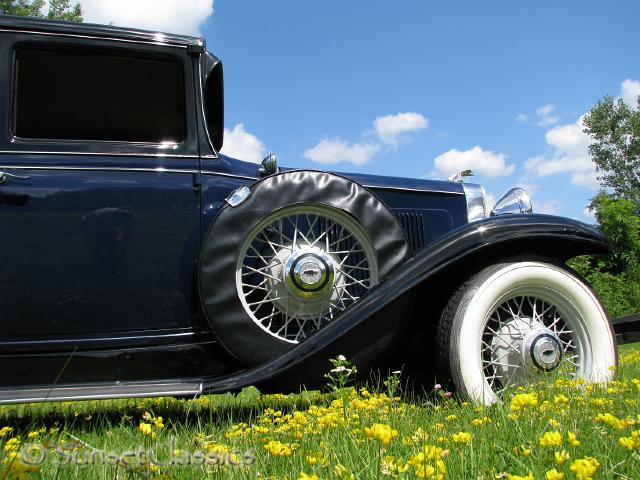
(220, 250)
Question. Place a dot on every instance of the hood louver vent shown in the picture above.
(413, 224)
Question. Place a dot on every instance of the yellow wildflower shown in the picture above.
(317, 459)
(632, 442)
(389, 466)
(146, 429)
(560, 399)
(518, 477)
(279, 449)
(551, 439)
(553, 474)
(611, 420)
(5, 430)
(572, 439)
(521, 450)
(585, 468)
(477, 422)
(561, 457)
(462, 437)
(522, 400)
(451, 418)
(304, 476)
(383, 433)
(342, 473)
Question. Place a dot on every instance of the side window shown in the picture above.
(81, 93)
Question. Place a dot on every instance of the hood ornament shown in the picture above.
(459, 177)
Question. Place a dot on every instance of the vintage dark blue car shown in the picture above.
(136, 260)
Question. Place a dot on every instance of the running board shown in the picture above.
(99, 392)
(627, 328)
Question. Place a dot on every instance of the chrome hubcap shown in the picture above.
(301, 267)
(309, 273)
(541, 350)
(525, 337)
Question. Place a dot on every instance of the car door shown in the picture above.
(99, 200)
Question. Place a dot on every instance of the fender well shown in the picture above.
(447, 261)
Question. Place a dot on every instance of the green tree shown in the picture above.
(58, 9)
(616, 277)
(614, 128)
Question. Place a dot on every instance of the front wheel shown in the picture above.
(515, 322)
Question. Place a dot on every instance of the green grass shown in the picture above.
(312, 433)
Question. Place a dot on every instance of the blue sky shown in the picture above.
(421, 88)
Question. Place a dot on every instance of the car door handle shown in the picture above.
(5, 175)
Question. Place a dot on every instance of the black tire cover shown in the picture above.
(227, 233)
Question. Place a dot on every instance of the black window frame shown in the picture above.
(187, 147)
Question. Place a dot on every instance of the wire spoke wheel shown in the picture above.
(531, 332)
(515, 323)
(301, 267)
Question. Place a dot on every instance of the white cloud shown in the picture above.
(629, 91)
(240, 144)
(589, 215)
(480, 161)
(546, 116)
(173, 16)
(570, 153)
(522, 118)
(550, 206)
(335, 150)
(391, 128)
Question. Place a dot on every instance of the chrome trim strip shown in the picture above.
(96, 37)
(202, 112)
(403, 189)
(104, 154)
(242, 177)
(98, 392)
(106, 169)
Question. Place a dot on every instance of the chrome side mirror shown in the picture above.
(516, 200)
(269, 165)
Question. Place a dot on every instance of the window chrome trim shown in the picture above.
(242, 177)
(97, 37)
(126, 169)
(98, 168)
(102, 154)
(407, 189)
(202, 112)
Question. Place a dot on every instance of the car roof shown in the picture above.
(46, 26)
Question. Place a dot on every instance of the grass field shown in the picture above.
(559, 429)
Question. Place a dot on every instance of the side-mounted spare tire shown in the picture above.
(301, 249)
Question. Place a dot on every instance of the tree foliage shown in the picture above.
(616, 277)
(58, 9)
(614, 128)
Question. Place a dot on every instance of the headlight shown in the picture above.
(476, 201)
(516, 200)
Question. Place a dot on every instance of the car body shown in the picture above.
(118, 215)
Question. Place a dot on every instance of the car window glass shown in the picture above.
(77, 93)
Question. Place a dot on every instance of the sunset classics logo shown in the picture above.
(159, 455)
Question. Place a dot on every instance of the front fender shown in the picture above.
(378, 314)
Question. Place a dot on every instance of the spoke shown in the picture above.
(260, 272)
(363, 285)
(502, 364)
(501, 337)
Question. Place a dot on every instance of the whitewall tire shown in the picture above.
(515, 322)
